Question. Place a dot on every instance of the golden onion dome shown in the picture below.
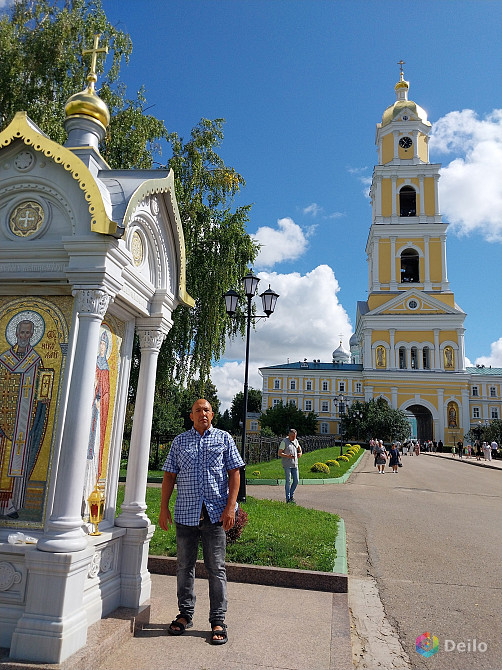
(88, 103)
(417, 112)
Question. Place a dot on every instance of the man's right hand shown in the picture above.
(165, 519)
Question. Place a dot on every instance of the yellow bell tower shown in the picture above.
(409, 332)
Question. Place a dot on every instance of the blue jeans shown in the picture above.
(213, 548)
(290, 487)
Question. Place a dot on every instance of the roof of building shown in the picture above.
(483, 370)
(313, 365)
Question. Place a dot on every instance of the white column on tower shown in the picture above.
(444, 274)
(134, 505)
(392, 352)
(394, 196)
(436, 195)
(393, 283)
(427, 268)
(437, 353)
(64, 531)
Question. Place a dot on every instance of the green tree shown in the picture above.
(377, 420)
(281, 418)
(237, 406)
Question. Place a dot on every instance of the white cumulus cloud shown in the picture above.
(495, 358)
(287, 242)
(308, 322)
(471, 184)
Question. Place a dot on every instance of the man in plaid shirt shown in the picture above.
(204, 463)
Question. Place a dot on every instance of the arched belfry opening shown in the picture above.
(423, 419)
(410, 266)
(407, 201)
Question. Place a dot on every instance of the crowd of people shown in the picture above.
(479, 450)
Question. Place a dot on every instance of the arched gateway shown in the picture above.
(424, 422)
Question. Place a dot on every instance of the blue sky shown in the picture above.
(302, 84)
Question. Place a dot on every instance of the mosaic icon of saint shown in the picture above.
(26, 393)
(99, 418)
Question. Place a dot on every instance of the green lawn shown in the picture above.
(277, 534)
(274, 470)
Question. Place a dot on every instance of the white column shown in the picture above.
(394, 196)
(421, 198)
(461, 350)
(375, 280)
(378, 199)
(64, 531)
(444, 273)
(392, 352)
(437, 353)
(368, 361)
(134, 505)
(393, 283)
(427, 282)
(393, 393)
(441, 415)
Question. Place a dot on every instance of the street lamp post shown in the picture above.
(341, 404)
(269, 298)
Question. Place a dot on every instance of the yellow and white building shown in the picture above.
(408, 345)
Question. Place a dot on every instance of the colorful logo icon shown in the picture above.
(427, 644)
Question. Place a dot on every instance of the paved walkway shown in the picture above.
(495, 464)
(269, 628)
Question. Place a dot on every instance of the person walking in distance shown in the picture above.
(290, 451)
(394, 457)
(381, 457)
(204, 463)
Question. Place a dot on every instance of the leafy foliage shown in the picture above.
(377, 420)
(237, 406)
(283, 417)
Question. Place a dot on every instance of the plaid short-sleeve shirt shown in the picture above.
(201, 464)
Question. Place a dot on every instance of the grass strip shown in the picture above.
(274, 470)
(277, 534)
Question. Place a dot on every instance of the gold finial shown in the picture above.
(401, 63)
(92, 76)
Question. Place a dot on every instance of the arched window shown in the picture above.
(409, 266)
(414, 358)
(402, 358)
(426, 358)
(407, 201)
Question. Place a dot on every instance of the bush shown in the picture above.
(344, 458)
(256, 473)
(320, 467)
(332, 463)
(236, 531)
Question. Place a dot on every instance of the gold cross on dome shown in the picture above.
(401, 63)
(91, 78)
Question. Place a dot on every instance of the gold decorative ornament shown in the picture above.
(26, 219)
(96, 508)
(137, 249)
